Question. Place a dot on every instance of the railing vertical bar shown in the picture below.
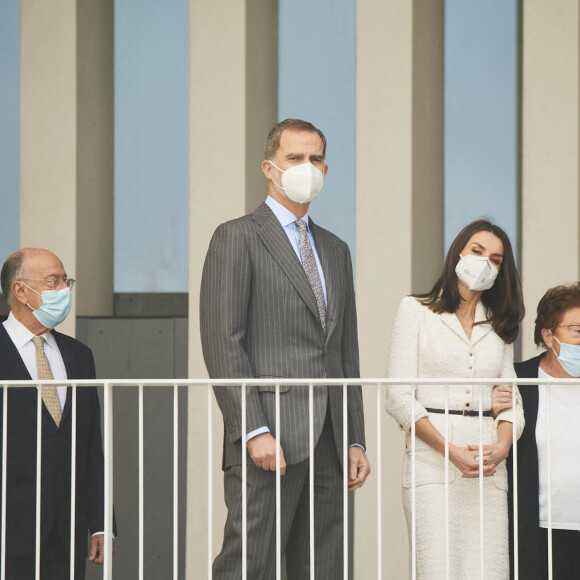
(515, 483)
(345, 472)
(73, 479)
(209, 484)
(379, 488)
(550, 552)
(175, 481)
(480, 418)
(141, 489)
(278, 491)
(4, 464)
(38, 479)
(244, 490)
(108, 424)
(311, 473)
(413, 494)
(447, 563)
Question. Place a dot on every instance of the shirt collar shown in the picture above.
(283, 214)
(20, 335)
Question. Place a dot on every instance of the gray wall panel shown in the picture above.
(143, 348)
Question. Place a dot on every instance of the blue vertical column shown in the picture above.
(151, 145)
(9, 127)
(481, 114)
(317, 83)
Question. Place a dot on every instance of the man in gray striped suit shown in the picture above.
(277, 301)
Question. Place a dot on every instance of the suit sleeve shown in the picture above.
(508, 414)
(224, 304)
(95, 459)
(350, 362)
(404, 362)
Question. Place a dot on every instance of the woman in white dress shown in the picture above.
(463, 328)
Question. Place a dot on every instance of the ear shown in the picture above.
(19, 292)
(267, 169)
(548, 337)
(325, 170)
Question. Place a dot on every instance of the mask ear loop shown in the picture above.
(554, 337)
(27, 304)
(278, 186)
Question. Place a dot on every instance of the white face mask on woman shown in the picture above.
(476, 272)
(300, 183)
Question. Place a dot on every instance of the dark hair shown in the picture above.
(273, 141)
(11, 269)
(552, 307)
(503, 302)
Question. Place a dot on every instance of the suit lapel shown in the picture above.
(480, 330)
(328, 260)
(276, 242)
(70, 366)
(452, 322)
(530, 397)
(11, 364)
(477, 333)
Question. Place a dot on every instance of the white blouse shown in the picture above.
(565, 467)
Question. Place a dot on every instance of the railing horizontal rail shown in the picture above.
(294, 382)
(141, 385)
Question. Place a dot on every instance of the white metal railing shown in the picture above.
(368, 384)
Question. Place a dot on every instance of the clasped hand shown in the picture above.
(466, 459)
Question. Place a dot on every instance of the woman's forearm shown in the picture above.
(505, 434)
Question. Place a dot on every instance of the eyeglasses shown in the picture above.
(573, 329)
(70, 282)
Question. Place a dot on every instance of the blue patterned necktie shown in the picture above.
(309, 264)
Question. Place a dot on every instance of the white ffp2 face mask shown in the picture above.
(300, 183)
(476, 272)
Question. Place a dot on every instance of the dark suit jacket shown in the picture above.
(259, 318)
(56, 454)
(528, 480)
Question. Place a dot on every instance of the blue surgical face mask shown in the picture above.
(569, 357)
(55, 306)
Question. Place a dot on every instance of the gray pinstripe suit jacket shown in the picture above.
(259, 319)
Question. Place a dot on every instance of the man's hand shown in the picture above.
(262, 449)
(97, 548)
(359, 468)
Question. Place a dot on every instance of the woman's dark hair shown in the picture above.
(552, 307)
(503, 302)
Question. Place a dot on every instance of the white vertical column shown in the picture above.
(399, 217)
(550, 151)
(233, 104)
(66, 116)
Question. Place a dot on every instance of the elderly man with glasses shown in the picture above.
(37, 290)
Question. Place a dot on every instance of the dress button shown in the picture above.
(468, 392)
(467, 404)
(470, 354)
(470, 367)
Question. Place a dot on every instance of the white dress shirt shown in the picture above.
(22, 339)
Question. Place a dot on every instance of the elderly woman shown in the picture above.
(552, 417)
(463, 328)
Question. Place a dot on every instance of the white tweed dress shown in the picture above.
(425, 344)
